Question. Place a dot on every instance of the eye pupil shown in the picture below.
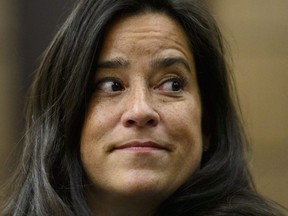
(176, 86)
(116, 86)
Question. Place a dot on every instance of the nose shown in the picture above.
(140, 111)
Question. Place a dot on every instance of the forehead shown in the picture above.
(150, 31)
(154, 20)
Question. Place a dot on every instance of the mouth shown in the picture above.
(140, 146)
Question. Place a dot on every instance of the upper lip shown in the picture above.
(140, 144)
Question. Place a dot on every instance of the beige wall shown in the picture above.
(9, 80)
(258, 35)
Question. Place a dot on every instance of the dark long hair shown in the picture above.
(49, 179)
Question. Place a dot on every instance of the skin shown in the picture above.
(142, 135)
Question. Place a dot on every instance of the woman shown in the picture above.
(131, 113)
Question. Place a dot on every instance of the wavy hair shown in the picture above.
(50, 177)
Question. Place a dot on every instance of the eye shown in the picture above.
(109, 85)
(173, 84)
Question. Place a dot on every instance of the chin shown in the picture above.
(142, 184)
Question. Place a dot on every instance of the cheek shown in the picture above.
(184, 117)
(99, 119)
(183, 124)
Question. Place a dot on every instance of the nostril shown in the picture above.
(130, 122)
(151, 122)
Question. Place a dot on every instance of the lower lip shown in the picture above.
(140, 149)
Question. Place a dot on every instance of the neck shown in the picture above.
(121, 206)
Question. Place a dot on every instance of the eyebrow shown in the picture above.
(156, 63)
(113, 63)
(169, 61)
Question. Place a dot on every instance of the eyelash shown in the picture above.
(181, 82)
(105, 81)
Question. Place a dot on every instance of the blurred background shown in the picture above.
(256, 31)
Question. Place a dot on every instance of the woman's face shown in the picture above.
(142, 132)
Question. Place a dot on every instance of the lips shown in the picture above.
(139, 145)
